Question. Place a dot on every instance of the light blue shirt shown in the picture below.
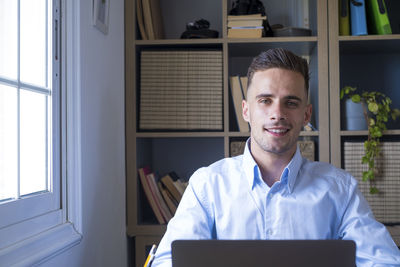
(312, 200)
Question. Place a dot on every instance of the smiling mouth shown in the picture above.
(277, 132)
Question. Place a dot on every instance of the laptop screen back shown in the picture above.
(273, 253)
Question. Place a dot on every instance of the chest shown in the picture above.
(249, 215)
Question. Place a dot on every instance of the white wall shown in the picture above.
(104, 240)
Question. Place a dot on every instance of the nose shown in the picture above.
(278, 112)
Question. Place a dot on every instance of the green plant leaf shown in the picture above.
(365, 176)
(371, 122)
(373, 107)
(373, 190)
(356, 98)
(364, 160)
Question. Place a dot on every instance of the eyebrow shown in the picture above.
(289, 97)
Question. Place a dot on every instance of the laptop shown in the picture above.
(265, 253)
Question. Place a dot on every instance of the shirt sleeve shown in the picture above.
(374, 245)
(193, 219)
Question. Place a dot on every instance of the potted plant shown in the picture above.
(376, 111)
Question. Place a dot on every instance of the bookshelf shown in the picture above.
(185, 151)
(376, 59)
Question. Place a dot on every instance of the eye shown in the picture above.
(292, 104)
(264, 101)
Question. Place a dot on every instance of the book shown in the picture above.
(237, 97)
(255, 32)
(148, 22)
(160, 202)
(171, 203)
(344, 17)
(146, 187)
(157, 19)
(139, 15)
(246, 17)
(378, 19)
(181, 186)
(358, 18)
(252, 22)
(243, 82)
(169, 184)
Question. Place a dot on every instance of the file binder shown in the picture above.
(344, 17)
(358, 17)
(378, 19)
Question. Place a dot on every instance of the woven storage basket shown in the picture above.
(386, 204)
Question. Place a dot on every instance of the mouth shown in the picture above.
(277, 131)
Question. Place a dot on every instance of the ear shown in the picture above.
(245, 111)
(307, 114)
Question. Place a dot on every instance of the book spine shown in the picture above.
(146, 187)
(344, 17)
(378, 20)
(358, 18)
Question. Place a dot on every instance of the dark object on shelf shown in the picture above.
(199, 29)
(248, 7)
(291, 31)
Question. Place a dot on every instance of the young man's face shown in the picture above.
(276, 109)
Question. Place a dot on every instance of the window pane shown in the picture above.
(33, 42)
(33, 142)
(8, 142)
(8, 38)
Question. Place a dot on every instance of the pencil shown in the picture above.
(150, 257)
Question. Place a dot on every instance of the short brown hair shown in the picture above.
(279, 58)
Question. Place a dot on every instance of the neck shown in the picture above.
(271, 164)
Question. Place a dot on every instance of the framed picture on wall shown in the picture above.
(100, 14)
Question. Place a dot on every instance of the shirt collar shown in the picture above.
(288, 176)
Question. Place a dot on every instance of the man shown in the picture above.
(271, 192)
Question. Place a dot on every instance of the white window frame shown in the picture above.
(34, 241)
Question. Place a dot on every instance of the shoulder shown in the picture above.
(333, 176)
(217, 171)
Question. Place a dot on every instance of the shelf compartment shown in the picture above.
(369, 44)
(181, 155)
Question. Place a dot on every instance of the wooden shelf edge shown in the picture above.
(365, 132)
(178, 134)
(227, 40)
(273, 39)
(205, 134)
(370, 37)
(180, 41)
(146, 230)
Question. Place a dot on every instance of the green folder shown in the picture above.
(378, 19)
(344, 17)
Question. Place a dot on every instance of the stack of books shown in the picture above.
(181, 90)
(246, 26)
(163, 194)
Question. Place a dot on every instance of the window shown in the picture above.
(33, 136)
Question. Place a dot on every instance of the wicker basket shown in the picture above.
(386, 204)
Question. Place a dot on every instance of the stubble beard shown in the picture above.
(271, 146)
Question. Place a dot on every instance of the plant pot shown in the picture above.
(353, 116)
